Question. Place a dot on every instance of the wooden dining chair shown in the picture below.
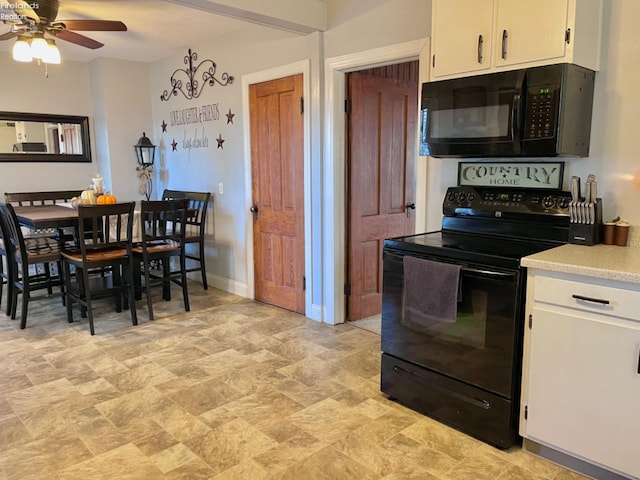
(25, 256)
(40, 198)
(22, 199)
(96, 250)
(196, 224)
(163, 238)
(6, 275)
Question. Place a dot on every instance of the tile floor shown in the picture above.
(231, 390)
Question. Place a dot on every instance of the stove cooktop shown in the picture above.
(470, 248)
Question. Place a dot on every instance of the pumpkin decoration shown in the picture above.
(88, 197)
(106, 199)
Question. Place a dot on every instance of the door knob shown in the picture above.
(254, 210)
(409, 207)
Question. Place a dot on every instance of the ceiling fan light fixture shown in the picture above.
(22, 50)
(39, 46)
(52, 55)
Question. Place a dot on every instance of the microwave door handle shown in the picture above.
(515, 116)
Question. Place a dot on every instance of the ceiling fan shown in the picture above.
(35, 19)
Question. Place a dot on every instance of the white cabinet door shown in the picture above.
(584, 387)
(530, 31)
(461, 36)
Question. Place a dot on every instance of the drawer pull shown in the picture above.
(639, 361)
(589, 299)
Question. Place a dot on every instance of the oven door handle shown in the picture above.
(488, 272)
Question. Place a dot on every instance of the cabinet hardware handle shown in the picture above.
(590, 299)
(567, 36)
(639, 361)
(505, 35)
(480, 48)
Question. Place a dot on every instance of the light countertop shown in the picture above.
(599, 261)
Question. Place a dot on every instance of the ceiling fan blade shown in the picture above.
(77, 39)
(92, 25)
(8, 35)
(24, 10)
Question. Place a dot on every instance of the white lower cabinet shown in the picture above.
(581, 380)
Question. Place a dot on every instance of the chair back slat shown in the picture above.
(163, 220)
(197, 209)
(14, 240)
(105, 226)
(41, 198)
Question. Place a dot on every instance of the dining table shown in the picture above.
(41, 217)
(63, 215)
(59, 217)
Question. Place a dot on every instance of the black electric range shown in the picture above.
(466, 371)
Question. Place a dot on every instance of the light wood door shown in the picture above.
(382, 139)
(278, 191)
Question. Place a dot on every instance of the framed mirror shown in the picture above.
(36, 137)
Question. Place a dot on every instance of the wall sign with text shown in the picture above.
(511, 174)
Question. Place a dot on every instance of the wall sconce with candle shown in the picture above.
(145, 154)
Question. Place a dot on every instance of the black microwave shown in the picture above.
(534, 112)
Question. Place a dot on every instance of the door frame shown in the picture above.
(304, 68)
(334, 206)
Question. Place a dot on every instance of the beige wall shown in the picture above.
(24, 88)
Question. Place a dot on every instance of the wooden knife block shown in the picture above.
(587, 234)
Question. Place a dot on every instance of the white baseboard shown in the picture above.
(315, 312)
(222, 283)
(241, 289)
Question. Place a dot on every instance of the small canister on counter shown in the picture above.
(609, 232)
(622, 233)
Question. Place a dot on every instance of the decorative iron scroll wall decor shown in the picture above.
(191, 87)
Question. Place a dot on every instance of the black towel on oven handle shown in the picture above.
(430, 292)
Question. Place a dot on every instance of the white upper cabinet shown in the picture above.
(461, 36)
(472, 36)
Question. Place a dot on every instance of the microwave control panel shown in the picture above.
(542, 107)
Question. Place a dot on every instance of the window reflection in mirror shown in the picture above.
(48, 138)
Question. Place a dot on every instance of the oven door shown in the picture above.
(480, 347)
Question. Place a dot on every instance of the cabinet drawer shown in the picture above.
(589, 297)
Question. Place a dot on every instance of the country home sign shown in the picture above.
(511, 174)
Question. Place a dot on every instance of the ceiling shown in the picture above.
(156, 28)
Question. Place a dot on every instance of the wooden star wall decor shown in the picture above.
(230, 117)
(220, 141)
(174, 145)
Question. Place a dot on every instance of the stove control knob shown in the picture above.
(471, 197)
(564, 202)
(548, 202)
(462, 197)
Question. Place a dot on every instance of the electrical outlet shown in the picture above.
(221, 188)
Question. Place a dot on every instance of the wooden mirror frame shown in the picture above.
(85, 156)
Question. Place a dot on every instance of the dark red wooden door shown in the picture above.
(382, 139)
